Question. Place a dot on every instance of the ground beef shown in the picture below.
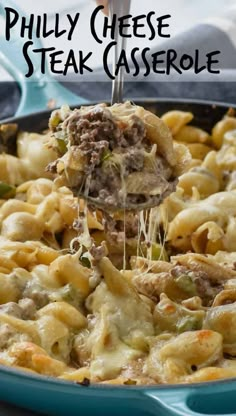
(9, 335)
(93, 126)
(178, 271)
(134, 133)
(133, 161)
(112, 149)
(95, 131)
(206, 290)
(37, 294)
(52, 167)
(113, 227)
(108, 181)
(28, 308)
(98, 125)
(94, 152)
(25, 309)
(98, 252)
(11, 308)
(6, 333)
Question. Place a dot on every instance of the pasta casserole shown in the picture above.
(131, 294)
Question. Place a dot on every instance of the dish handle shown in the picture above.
(38, 90)
(170, 403)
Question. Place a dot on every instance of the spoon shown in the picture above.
(127, 202)
(119, 8)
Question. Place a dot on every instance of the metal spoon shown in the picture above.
(120, 8)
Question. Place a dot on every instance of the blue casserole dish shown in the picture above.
(56, 397)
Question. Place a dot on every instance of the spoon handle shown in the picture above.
(119, 8)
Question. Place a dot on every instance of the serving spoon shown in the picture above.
(119, 8)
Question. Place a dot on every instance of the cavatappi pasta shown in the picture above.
(69, 308)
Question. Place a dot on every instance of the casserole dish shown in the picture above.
(57, 397)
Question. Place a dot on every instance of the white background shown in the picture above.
(185, 13)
